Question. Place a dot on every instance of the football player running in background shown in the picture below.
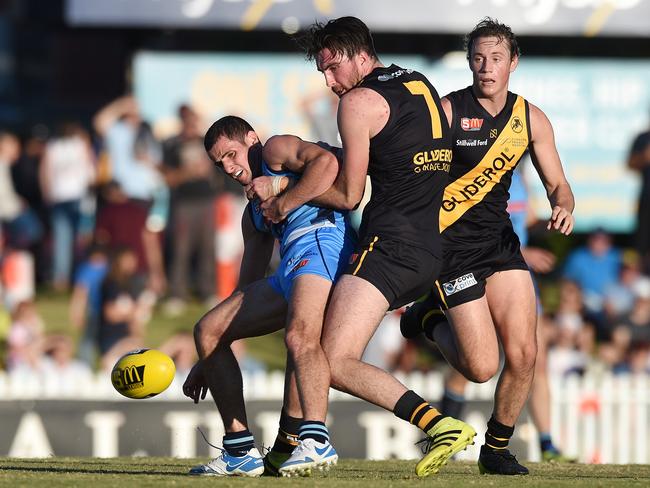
(485, 286)
(315, 245)
(540, 261)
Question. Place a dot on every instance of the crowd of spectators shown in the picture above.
(113, 219)
(121, 222)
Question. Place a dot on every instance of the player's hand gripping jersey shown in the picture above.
(313, 240)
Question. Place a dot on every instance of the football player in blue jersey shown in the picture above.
(315, 245)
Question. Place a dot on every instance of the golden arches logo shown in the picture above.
(130, 377)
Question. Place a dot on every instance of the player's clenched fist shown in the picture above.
(265, 187)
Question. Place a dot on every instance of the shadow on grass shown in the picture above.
(81, 470)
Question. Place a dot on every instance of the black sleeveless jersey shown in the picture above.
(486, 151)
(409, 160)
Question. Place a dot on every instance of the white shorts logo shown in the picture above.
(459, 284)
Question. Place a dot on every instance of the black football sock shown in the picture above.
(498, 435)
(414, 409)
(287, 438)
(238, 443)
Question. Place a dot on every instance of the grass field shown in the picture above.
(159, 472)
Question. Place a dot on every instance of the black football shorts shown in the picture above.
(400, 271)
(465, 271)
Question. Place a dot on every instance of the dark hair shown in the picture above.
(489, 27)
(183, 110)
(115, 271)
(230, 126)
(345, 35)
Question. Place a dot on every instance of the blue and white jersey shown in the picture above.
(300, 221)
(518, 206)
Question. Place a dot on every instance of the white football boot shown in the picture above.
(309, 454)
(250, 464)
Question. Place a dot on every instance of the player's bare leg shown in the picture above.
(355, 311)
(512, 303)
(511, 298)
(468, 341)
(304, 326)
(255, 310)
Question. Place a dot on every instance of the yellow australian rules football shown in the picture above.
(143, 373)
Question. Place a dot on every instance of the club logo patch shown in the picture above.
(459, 284)
(516, 125)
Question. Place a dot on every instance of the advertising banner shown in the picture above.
(539, 17)
(152, 427)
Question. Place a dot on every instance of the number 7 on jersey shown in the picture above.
(417, 87)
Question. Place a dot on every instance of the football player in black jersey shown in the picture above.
(485, 287)
(392, 128)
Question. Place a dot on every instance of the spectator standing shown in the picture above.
(20, 224)
(121, 223)
(25, 175)
(639, 160)
(194, 185)
(135, 157)
(120, 124)
(66, 174)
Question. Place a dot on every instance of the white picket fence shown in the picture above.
(597, 419)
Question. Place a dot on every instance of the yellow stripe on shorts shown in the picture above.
(442, 295)
(363, 256)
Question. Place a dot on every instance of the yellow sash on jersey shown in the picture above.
(470, 189)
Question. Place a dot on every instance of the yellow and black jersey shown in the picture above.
(409, 160)
(486, 150)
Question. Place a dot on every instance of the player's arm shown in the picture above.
(362, 114)
(447, 107)
(258, 247)
(318, 166)
(546, 159)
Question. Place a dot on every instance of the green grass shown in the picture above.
(156, 472)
